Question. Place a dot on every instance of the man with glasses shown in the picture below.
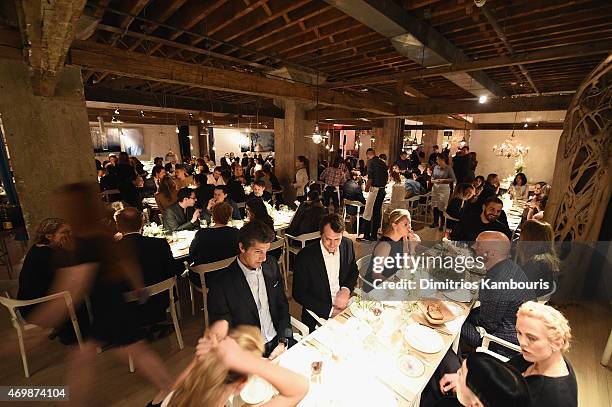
(182, 215)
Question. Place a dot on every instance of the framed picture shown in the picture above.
(116, 139)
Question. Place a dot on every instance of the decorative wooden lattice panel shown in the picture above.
(582, 178)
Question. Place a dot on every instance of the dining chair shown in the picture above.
(302, 239)
(201, 270)
(423, 208)
(275, 193)
(22, 326)
(447, 217)
(280, 243)
(300, 327)
(486, 342)
(362, 267)
(546, 297)
(356, 204)
(320, 321)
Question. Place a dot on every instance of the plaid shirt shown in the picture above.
(333, 176)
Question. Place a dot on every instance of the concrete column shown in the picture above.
(290, 141)
(48, 138)
(389, 138)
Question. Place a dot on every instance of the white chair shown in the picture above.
(423, 209)
(546, 297)
(280, 243)
(155, 289)
(362, 267)
(320, 321)
(357, 205)
(486, 342)
(21, 326)
(302, 239)
(447, 217)
(302, 329)
(201, 270)
(607, 354)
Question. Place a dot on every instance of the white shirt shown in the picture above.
(212, 181)
(257, 284)
(332, 266)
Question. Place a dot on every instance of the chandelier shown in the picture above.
(510, 148)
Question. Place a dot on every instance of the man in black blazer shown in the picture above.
(151, 184)
(250, 291)
(325, 273)
(181, 215)
(154, 257)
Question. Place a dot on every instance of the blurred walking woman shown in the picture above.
(441, 178)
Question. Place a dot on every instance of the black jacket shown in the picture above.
(306, 219)
(352, 191)
(230, 298)
(470, 226)
(310, 281)
(175, 218)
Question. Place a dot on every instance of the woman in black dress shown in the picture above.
(536, 254)
(461, 196)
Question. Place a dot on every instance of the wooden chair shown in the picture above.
(21, 326)
(303, 238)
(201, 270)
(357, 205)
(280, 243)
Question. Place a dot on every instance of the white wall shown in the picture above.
(228, 140)
(539, 163)
(157, 140)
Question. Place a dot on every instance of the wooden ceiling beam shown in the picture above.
(547, 54)
(47, 30)
(105, 59)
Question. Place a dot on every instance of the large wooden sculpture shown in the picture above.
(583, 171)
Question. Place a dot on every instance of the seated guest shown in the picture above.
(182, 215)
(166, 193)
(472, 224)
(536, 253)
(326, 273)
(234, 188)
(536, 208)
(412, 185)
(458, 203)
(267, 170)
(108, 178)
(214, 243)
(251, 290)
(478, 181)
(182, 179)
(403, 163)
(204, 192)
(398, 238)
(256, 210)
(352, 192)
(485, 381)
(154, 257)
(151, 185)
(215, 178)
(425, 179)
(489, 189)
(497, 311)
(38, 273)
(238, 173)
(259, 191)
(220, 195)
(222, 368)
(308, 216)
(519, 188)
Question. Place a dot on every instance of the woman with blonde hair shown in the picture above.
(536, 254)
(222, 368)
(398, 238)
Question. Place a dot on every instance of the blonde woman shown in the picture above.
(222, 368)
(398, 238)
(544, 336)
(536, 253)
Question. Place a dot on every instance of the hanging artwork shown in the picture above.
(258, 141)
(116, 139)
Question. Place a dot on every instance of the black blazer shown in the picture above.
(176, 219)
(230, 298)
(310, 282)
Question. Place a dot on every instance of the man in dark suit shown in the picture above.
(151, 184)
(181, 215)
(325, 273)
(154, 257)
(250, 291)
(259, 191)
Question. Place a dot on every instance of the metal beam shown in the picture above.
(416, 40)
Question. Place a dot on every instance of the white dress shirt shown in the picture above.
(257, 284)
(332, 266)
(211, 180)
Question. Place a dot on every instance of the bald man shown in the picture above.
(498, 305)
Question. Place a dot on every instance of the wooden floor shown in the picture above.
(116, 386)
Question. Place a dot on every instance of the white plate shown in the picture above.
(460, 295)
(454, 308)
(423, 339)
(256, 391)
(410, 366)
(365, 314)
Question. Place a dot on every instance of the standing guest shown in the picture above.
(182, 179)
(220, 195)
(154, 257)
(403, 162)
(472, 168)
(462, 165)
(489, 219)
(215, 178)
(333, 177)
(126, 177)
(182, 215)
(256, 210)
(166, 193)
(383, 157)
(498, 307)
(412, 185)
(431, 161)
(325, 274)
(377, 180)
(259, 191)
(519, 189)
(301, 177)
(442, 178)
(152, 183)
(250, 291)
(460, 201)
(415, 157)
(308, 215)
(536, 254)
(362, 168)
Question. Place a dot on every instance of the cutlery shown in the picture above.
(436, 329)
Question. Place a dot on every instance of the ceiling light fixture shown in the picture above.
(483, 99)
(117, 111)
